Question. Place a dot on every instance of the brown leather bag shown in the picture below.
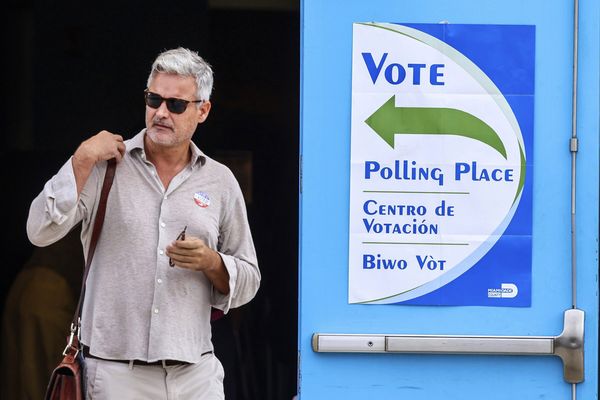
(67, 381)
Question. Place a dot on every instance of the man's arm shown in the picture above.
(232, 268)
(57, 209)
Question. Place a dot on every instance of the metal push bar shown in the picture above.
(568, 345)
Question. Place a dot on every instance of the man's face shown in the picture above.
(166, 128)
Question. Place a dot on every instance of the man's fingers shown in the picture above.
(190, 242)
(120, 151)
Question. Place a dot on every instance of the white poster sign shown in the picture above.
(438, 167)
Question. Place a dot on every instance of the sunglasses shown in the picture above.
(174, 105)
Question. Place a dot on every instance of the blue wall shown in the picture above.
(326, 47)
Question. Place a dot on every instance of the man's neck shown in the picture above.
(168, 161)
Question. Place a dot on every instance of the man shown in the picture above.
(175, 243)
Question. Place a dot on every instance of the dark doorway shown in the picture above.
(72, 69)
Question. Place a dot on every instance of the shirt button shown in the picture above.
(165, 197)
(162, 224)
(156, 311)
(159, 280)
(161, 252)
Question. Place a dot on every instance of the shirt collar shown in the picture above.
(136, 144)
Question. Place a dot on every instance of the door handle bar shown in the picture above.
(568, 345)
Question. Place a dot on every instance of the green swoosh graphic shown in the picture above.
(476, 73)
(390, 120)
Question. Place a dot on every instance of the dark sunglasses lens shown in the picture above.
(176, 106)
(153, 100)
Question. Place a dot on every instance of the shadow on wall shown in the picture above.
(37, 314)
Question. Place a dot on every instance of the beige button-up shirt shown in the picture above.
(137, 306)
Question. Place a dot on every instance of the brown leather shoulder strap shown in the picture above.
(98, 222)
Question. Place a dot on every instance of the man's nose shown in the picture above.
(162, 110)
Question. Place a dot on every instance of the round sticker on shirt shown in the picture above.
(202, 199)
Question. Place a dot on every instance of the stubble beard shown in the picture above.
(160, 138)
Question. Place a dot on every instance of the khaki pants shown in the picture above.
(110, 380)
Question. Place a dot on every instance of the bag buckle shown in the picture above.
(73, 343)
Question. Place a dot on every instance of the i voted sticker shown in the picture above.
(202, 199)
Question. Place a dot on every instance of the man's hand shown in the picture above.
(100, 147)
(192, 253)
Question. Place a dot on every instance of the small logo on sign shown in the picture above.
(506, 291)
(202, 199)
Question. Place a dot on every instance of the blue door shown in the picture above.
(432, 345)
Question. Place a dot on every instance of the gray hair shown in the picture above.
(185, 62)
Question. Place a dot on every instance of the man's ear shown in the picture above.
(203, 111)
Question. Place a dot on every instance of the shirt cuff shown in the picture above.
(61, 194)
(220, 300)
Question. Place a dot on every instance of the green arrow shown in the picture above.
(389, 120)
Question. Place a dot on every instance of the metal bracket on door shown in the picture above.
(568, 345)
